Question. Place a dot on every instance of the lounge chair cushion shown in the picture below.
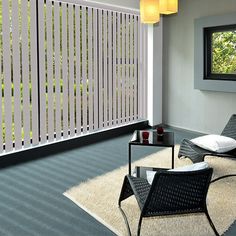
(193, 167)
(215, 143)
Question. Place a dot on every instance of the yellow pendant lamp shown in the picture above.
(149, 11)
(168, 6)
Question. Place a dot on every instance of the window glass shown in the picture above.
(224, 52)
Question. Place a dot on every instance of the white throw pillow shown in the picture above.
(197, 166)
(215, 143)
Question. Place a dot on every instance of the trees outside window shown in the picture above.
(220, 52)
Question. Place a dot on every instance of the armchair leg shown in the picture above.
(211, 224)
(126, 220)
(139, 225)
(126, 190)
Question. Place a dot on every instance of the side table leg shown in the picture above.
(129, 159)
(173, 158)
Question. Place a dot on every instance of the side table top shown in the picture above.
(166, 140)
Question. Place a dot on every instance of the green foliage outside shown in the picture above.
(46, 88)
(30, 90)
(224, 52)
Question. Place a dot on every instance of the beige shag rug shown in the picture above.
(99, 197)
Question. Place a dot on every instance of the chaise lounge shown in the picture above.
(197, 154)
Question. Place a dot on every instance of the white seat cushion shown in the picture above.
(197, 166)
(215, 143)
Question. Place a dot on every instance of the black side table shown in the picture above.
(167, 140)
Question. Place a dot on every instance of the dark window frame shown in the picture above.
(207, 34)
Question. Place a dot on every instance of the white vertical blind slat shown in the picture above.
(71, 69)
(84, 68)
(145, 72)
(64, 71)
(118, 69)
(34, 74)
(114, 71)
(43, 122)
(1, 100)
(50, 73)
(110, 79)
(7, 75)
(57, 52)
(140, 73)
(127, 64)
(105, 67)
(135, 67)
(95, 69)
(100, 46)
(123, 69)
(25, 74)
(16, 75)
(131, 67)
(90, 67)
(78, 71)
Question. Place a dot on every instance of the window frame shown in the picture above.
(207, 35)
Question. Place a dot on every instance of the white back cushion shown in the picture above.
(197, 166)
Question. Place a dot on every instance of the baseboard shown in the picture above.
(43, 151)
(185, 129)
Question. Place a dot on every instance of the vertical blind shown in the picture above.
(68, 69)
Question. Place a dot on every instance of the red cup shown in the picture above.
(145, 135)
(160, 130)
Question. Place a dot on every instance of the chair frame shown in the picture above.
(171, 193)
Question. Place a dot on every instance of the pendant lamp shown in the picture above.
(149, 11)
(168, 6)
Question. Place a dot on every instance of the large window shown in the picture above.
(68, 68)
(220, 52)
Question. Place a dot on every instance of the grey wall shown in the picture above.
(184, 107)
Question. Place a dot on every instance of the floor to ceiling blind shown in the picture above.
(68, 69)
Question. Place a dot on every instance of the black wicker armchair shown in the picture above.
(197, 154)
(171, 193)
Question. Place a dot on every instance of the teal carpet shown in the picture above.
(31, 199)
